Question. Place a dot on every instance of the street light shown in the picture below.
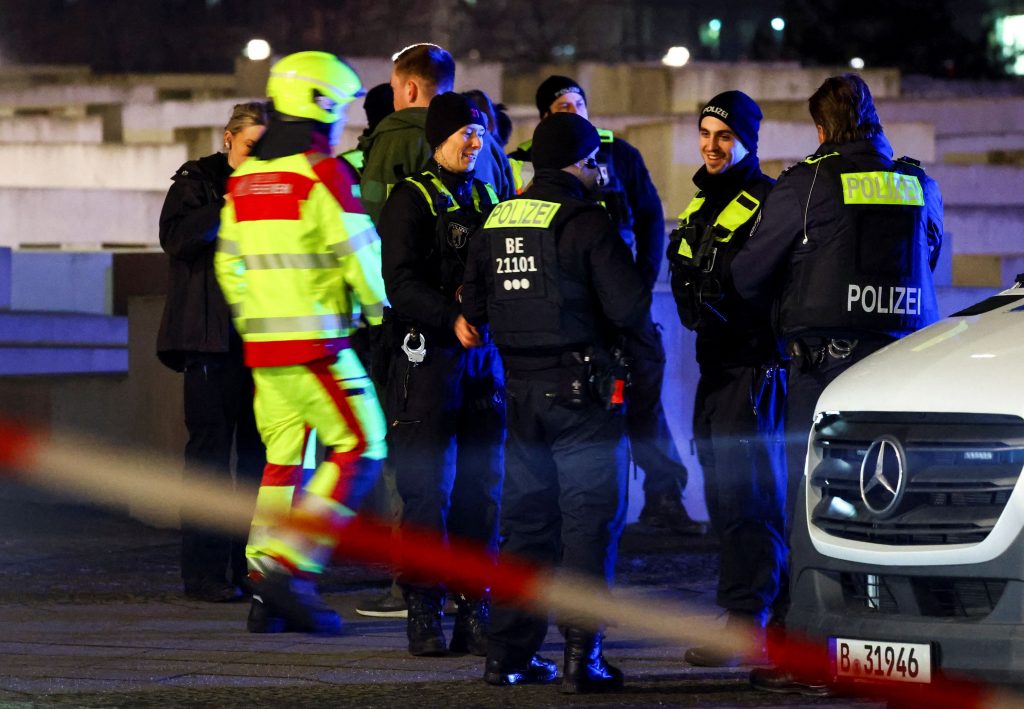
(257, 50)
(676, 56)
(857, 63)
(778, 24)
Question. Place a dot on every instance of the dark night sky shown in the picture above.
(207, 35)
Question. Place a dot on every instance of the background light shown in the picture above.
(1010, 36)
(778, 24)
(676, 56)
(856, 63)
(257, 50)
(715, 25)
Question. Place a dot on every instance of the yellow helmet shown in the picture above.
(312, 85)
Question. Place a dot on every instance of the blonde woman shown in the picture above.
(196, 337)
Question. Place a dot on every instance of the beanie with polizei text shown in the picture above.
(555, 87)
(738, 111)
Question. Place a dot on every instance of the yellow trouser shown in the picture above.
(338, 400)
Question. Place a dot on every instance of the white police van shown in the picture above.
(908, 542)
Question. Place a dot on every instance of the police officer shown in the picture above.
(298, 262)
(625, 189)
(845, 248)
(397, 148)
(544, 272)
(445, 391)
(737, 420)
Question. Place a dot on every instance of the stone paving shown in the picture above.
(91, 615)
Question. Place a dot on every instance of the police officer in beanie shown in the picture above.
(841, 233)
(625, 188)
(445, 393)
(548, 273)
(737, 419)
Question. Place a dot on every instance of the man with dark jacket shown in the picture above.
(737, 415)
(844, 250)
(625, 189)
(547, 273)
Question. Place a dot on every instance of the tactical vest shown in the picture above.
(611, 193)
(356, 158)
(870, 270)
(454, 225)
(521, 162)
(699, 261)
(534, 307)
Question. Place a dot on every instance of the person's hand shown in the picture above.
(468, 335)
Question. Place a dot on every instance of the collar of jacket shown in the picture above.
(415, 117)
(213, 167)
(460, 184)
(290, 138)
(879, 145)
(561, 180)
(730, 182)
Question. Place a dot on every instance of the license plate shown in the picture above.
(880, 660)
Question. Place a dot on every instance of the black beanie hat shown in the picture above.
(378, 104)
(447, 113)
(561, 139)
(553, 87)
(738, 111)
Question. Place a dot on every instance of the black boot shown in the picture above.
(666, 511)
(278, 595)
(264, 620)
(469, 636)
(749, 624)
(585, 668)
(423, 626)
(537, 670)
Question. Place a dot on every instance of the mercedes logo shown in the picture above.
(883, 476)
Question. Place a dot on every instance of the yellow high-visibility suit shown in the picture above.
(299, 262)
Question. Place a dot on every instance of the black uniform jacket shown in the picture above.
(736, 332)
(411, 268)
(196, 317)
(760, 271)
(590, 251)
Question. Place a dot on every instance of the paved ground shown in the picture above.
(91, 615)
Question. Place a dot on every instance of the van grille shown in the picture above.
(960, 470)
(967, 598)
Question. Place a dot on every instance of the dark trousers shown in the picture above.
(806, 383)
(446, 429)
(738, 428)
(650, 439)
(564, 499)
(219, 416)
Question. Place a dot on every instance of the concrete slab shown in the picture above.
(82, 217)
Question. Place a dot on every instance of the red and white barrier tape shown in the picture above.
(158, 492)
